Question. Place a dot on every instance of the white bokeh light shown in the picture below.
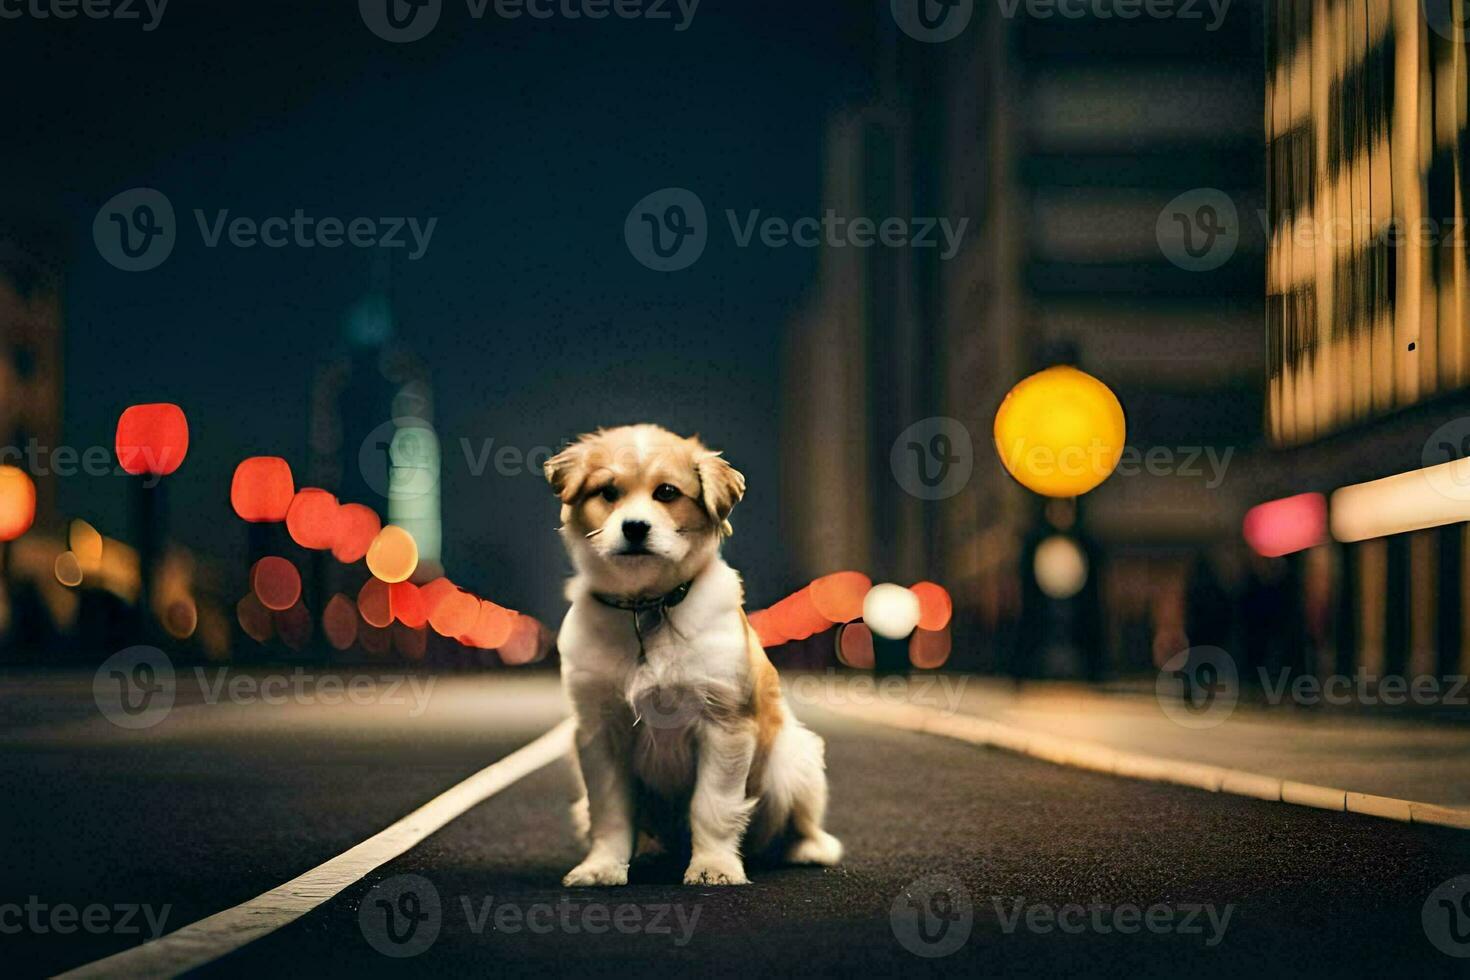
(891, 611)
(1060, 566)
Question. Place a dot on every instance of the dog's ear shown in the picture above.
(567, 471)
(721, 487)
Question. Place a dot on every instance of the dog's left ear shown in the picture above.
(567, 471)
(721, 487)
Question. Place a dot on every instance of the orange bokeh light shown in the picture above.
(796, 617)
(407, 604)
(525, 644)
(339, 622)
(17, 502)
(435, 592)
(855, 646)
(262, 488)
(492, 627)
(276, 583)
(312, 518)
(935, 606)
(152, 439)
(454, 615)
(839, 597)
(357, 526)
(393, 555)
(255, 619)
(373, 604)
(929, 648)
(765, 628)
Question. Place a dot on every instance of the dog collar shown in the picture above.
(634, 604)
(648, 614)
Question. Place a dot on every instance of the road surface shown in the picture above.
(960, 860)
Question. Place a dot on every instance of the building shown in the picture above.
(1063, 141)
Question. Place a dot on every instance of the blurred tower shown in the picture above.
(372, 423)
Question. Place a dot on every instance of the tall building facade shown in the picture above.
(1061, 142)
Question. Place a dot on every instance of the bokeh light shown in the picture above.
(262, 489)
(311, 519)
(929, 649)
(276, 583)
(393, 556)
(374, 605)
(839, 596)
(152, 439)
(1060, 567)
(492, 627)
(855, 646)
(1060, 432)
(293, 626)
(935, 605)
(255, 620)
(1282, 527)
(454, 614)
(407, 604)
(891, 611)
(17, 502)
(339, 622)
(68, 569)
(525, 644)
(357, 526)
(86, 543)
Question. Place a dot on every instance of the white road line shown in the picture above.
(224, 932)
(1083, 754)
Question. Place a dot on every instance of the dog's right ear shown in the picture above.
(567, 471)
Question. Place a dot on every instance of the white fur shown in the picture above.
(669, 727)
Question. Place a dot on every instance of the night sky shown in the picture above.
(529, 141)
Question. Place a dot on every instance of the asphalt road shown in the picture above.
(1004, 865)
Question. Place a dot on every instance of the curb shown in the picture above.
(1082, 754)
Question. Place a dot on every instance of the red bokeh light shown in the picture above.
(152, 439)
(935, 605)
(262, 488)
(339, 622)
(839, 596)
(276, 583)
(407, 604)
(357, 525)
(929, 648)
(312, 518)
(17, 502)
(855, 646)
(374, 605)
(1282, 527)
(526, 643)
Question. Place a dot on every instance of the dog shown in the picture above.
(682, 733)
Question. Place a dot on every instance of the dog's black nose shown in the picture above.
(635, 531)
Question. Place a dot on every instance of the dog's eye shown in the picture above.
(609, 493)
(666, 493)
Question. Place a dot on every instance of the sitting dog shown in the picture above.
(682, 733)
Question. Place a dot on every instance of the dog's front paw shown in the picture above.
(715, 869)
(596, 873)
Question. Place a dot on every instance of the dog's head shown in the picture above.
(642, 509)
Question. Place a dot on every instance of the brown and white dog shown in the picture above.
(682, 732)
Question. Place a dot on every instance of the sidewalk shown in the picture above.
(1401, 759)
